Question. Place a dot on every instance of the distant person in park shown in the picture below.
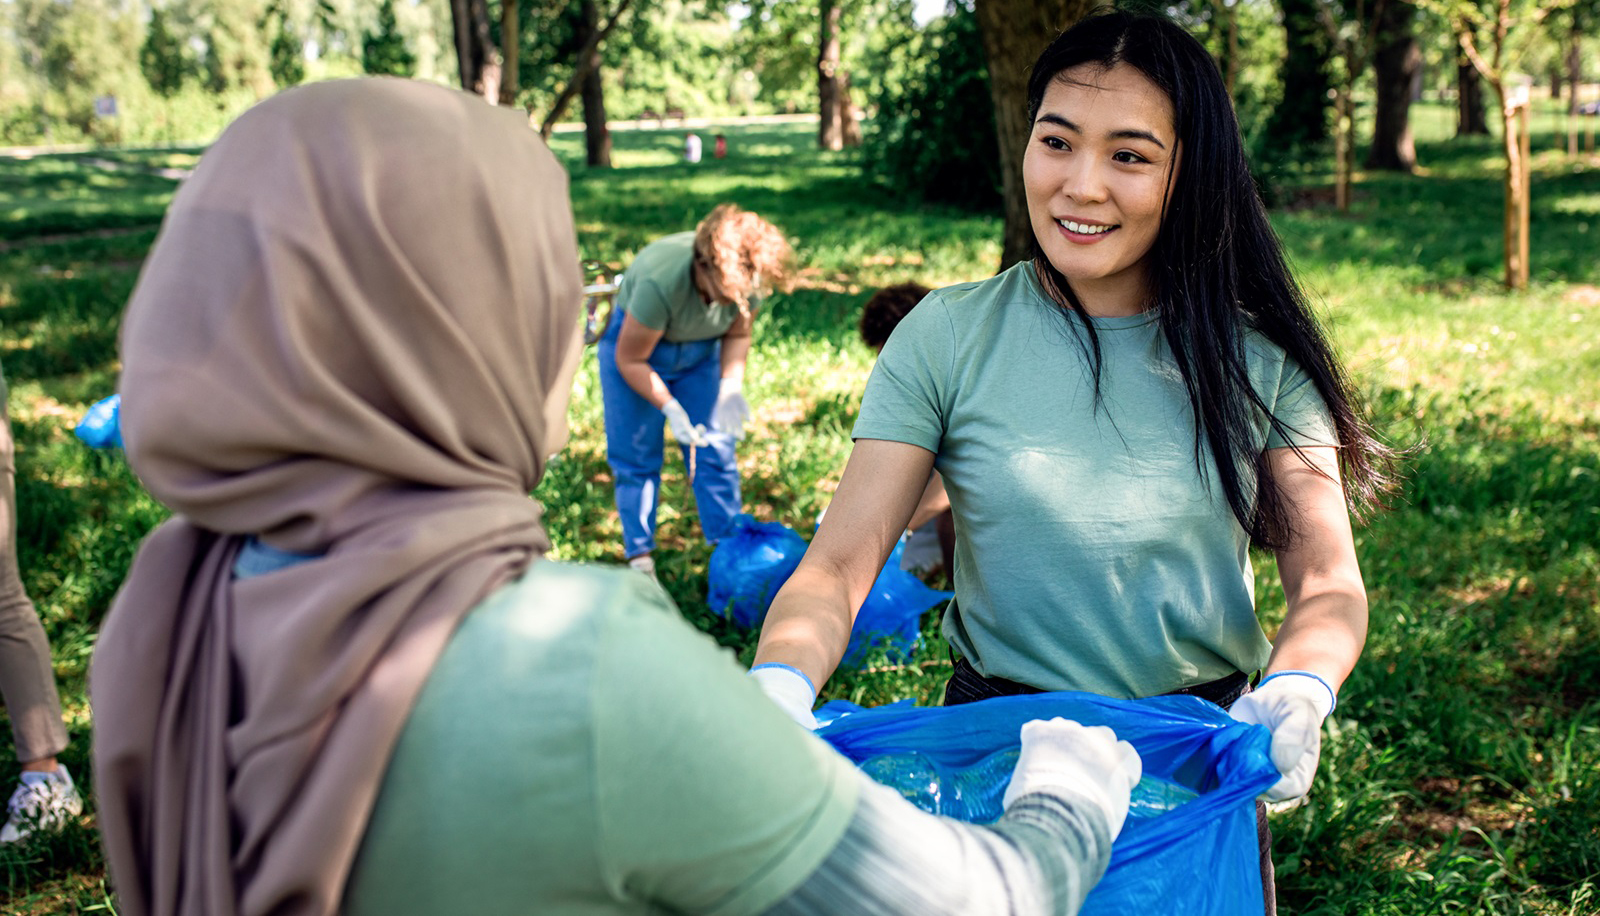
(675, 350)
(1116, 421)
(930, 544)
(344, 678)
(46, 798)
(691, 148)
(720, 149)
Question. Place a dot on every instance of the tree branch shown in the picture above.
(585, 63)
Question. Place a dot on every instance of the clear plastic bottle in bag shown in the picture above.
(974, 794)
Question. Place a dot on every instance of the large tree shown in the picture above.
(1014, 33)
(1397, 66)
(477, 58)
(1297, 129)
(830, 132)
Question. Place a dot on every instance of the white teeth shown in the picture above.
(1082, 229)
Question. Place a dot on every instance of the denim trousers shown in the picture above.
(966, 685)
(692, 371)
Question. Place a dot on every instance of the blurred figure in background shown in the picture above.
(46, 798)
(675, 351)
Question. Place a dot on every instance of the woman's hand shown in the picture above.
(732, 411)
(1326, 622)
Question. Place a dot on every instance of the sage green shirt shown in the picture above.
(580, 749)
(1091, 553)
(658, 291)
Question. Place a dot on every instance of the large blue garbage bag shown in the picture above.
(891, 616)
(1189, 845)
(748, 567)
(753, 561)
(101, 426)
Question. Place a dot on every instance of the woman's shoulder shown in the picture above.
(974, 301)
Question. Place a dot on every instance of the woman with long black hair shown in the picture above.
(1116, 421)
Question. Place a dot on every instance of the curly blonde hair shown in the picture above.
(737, 254)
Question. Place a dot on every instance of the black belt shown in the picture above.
(974, 686)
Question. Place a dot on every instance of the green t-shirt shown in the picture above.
(658, 291)
(1090, 552)
(580, 749)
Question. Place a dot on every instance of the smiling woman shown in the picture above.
(1116, 421)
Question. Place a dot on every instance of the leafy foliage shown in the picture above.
(163, 58)
(932, 136)
(383, 50)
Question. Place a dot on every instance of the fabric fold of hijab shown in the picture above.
(353, 339)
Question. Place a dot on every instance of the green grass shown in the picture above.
(1461, 773)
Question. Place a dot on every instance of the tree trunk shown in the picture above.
(475, 54)
(830, 134)
(1396, 64)
(1513, 123)
(1470, 115)
(596, 135)
(1574, 64)
(1343, 140)
(511, 46)
(849, 127)
(1014, 33)
(1574, 67)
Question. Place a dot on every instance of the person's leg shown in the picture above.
(716, 465)
(47, 797)
(633, 449)
(27, 680)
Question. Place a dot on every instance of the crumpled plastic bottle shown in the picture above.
(974, 793)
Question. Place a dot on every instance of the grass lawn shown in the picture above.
(1461, 772)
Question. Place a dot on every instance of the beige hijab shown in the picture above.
(353, 338)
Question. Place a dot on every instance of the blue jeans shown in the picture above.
(692, 371)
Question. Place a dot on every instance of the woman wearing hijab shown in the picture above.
(342, 678)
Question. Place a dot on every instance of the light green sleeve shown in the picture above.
(906, 398)
(646, 301)
(710, 800)
(1301, 410)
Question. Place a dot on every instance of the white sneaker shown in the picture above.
(644, 563)
(44, 801)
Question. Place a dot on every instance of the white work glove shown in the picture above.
(732, 411)
(790, 689)
(1292, 704)
(686, 432)
(1062, 757)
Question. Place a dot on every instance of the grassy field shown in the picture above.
(1461, 773)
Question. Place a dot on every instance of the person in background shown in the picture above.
(691, 148)
(46, 798)
(1117, 420)
(344, 677)
(675, 349)
(931, 539)
(719, 148)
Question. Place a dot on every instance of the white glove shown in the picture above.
(732, 411)
(1062, 757)
(790, 689)
(683, 430)
(1292, 704)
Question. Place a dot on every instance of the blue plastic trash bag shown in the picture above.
(99, 427)
(1189, 845)
(891, 615)
(748, 567)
